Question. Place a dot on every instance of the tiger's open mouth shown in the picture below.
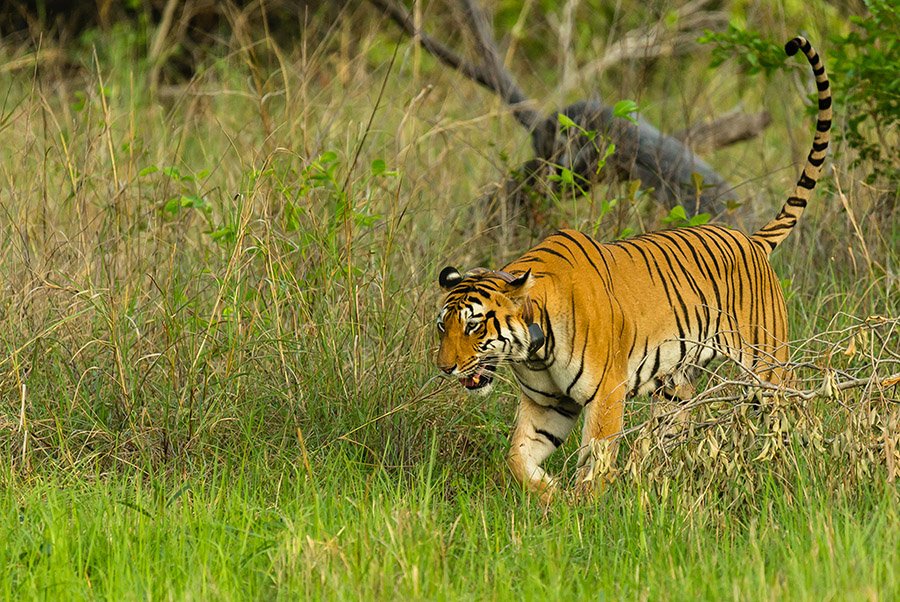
(482, 377)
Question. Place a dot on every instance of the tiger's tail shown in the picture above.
(770, 235)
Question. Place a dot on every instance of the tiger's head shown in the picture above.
(485, 320)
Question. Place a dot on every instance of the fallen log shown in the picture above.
(661, 162)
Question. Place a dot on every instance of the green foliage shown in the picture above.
(678, 218)
(602, 145)
(624, 109)
(863, 66)
(750, 49)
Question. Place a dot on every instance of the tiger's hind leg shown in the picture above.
(538, 432)
(667, 408)
(770, 359)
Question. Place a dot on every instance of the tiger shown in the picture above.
(586, 325)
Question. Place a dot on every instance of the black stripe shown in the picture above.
(820, 146)
(683, 273)
(581, 367)
(630, 243)
(552, 252)
(594, 394)
(806, 182)
(556, 441)
(819, 70)
(640, 366)
(564, 412)
(772, 228)
(583, 250)
(822, 86)
(816, 162)
(603, 259)
(562, 243)
(791, 47)
(656, 361)
(754, 276)
(824, 103)
(701, 238)
(633, 343)
(701, 261)
(823, 125)
(535, 391)
(796, 201)
(724, 233)
(725, 262)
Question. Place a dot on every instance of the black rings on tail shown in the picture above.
(770, 235)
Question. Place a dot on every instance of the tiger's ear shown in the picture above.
(449, 278)
(520, 285)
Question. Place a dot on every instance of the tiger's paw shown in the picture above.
(586, 486)
(596, 470)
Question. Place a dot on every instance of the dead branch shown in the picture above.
(643, 153)
(504, 85)
(724, 130)
(497, 81)
(660, 40)
(871, 371)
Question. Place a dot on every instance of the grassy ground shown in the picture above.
(216, 326)
(351, 533)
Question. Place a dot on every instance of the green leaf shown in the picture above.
(601, 162)
(677, 214)
(624, 109)
(697, 180)
(148, 170)
(186, 201)
(194, 202)
(699, 219)
(292, 215)
(378, 167)
(173, 205)
(327, 157)
(80, 101)
(225, 234)
(566, 121)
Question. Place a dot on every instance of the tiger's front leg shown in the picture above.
(603, 421)
(538, 432)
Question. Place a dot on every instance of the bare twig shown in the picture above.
(659, 40)
(492, 79)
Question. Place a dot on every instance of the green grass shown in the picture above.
(349, 532)
(216, 330)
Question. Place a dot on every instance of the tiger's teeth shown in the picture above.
(476, 378)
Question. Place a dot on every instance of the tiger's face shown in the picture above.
(481, 325)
